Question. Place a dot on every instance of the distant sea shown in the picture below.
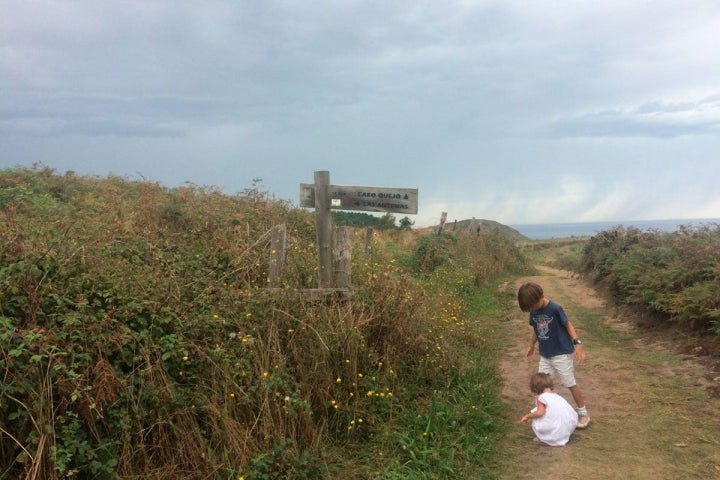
(543, 231)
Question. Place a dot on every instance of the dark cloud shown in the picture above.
(439, 95)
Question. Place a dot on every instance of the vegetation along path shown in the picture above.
(653, 413)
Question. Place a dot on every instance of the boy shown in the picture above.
(558, 341)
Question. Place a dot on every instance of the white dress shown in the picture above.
(559, 421)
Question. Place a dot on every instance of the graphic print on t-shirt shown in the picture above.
(543, 326)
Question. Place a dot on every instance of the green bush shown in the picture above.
(675, 275)
(138, 340)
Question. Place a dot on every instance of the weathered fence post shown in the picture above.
(443, 218)
(368, 241)
(277, 255)
(342, 249)
(323, 225)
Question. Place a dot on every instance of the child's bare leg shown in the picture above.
(577, 396)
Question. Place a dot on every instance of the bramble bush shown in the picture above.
(675, 275)
(137, 339)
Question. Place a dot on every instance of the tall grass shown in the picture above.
(137, 340)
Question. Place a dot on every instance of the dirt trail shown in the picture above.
(652, 416)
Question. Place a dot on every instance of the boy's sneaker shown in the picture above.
(583, 421)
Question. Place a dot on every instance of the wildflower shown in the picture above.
(360, 375)
(248, 315)
(216, 316)
(232, 395)
(185, 358)
(370, 393)
(338, 380)
(265, 374)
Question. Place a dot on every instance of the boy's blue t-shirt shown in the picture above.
(549, 324)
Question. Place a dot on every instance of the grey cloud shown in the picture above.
(655, 119)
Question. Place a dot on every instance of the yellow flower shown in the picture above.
(216, 316)
(265, 374)
(338, 380)
(185, 358)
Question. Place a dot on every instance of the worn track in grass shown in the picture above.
(652, 414)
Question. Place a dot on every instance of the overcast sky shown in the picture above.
(514, 111)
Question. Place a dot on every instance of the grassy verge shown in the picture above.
(451, 429)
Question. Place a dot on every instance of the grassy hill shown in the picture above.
(138, 340)
(484, 226)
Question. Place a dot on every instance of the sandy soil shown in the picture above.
(653, 412)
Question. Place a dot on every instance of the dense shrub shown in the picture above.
(137, 339)
(676, 275)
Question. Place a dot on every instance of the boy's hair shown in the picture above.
(529, 295)
(540, 381)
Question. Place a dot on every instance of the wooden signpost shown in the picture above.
(367, 199)
(323, 197)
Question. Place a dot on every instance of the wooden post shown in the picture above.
(443, 218)
(277, 255)
(323, 226)
(342, 249)
(368, 241)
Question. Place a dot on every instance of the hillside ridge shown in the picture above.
(481, 225)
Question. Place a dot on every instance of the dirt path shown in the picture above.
(652, 416)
